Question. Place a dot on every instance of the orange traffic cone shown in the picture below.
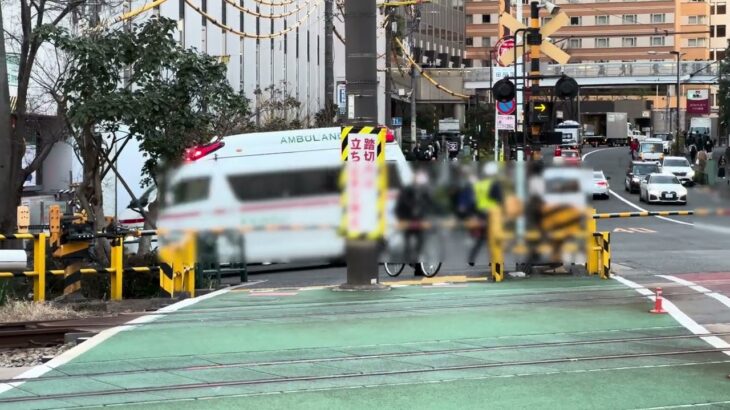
(658, 302)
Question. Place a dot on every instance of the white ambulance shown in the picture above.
(272, 179)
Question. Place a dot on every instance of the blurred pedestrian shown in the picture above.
(413, 206)
(488, 196)
(721, 165)
(692, 154)
(634, 147)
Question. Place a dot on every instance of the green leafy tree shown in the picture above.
(170, 99)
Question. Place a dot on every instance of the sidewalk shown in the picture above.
(534, 343)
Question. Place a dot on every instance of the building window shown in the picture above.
(658, 18)
(486, 18)
(575, 43)
(721, 9)
(601, 20)
(657, 41)
(602, 42)
(469, 41)
(628, 42)
(721, 31)
(629, 19)
(697, 20)
(696, 42)
(575, 21)
(546, 20)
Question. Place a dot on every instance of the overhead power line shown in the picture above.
(425, 75)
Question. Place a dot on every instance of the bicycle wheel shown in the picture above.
(393, 269)
(430, 269)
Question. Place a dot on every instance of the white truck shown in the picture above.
(571, 133)
(700, 126)
(608, 128)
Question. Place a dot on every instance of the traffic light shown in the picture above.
(504, 90)
(566, 87)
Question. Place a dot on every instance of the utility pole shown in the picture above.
(361, 74)
(388, 54)
(329, 76)
(413, 28)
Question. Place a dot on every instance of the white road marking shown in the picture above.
(593, 152)
(697, 288)
(84, 347)
(679, 316)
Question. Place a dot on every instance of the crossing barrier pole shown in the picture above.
(494, 236)
(39, 267)
(191, 252)
(606, 255)
(116, 268)
(593, 251)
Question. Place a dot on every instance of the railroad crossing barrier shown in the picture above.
(177, 265)
(38, 272)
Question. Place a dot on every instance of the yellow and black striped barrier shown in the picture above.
(38, 272)
(695, 212)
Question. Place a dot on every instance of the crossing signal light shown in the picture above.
(504, 90)
(566, 88)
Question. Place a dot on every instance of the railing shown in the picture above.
(615, 69)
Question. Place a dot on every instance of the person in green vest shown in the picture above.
(487, 196)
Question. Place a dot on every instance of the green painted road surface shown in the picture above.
(558, 343)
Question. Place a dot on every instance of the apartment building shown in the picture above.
(604, 30)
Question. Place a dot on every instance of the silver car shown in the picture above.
(662, 188)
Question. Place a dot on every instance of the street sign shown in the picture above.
(506, 107)
(351, 106)
(397, 121)
(499, 73)
(505, 122)
(559, 115)
(364, 196)
(541, 112)
(503, 47)
(546, 47)
(342, 98)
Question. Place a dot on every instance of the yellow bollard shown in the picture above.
(39, 267)
(116, 270)
(494, 235)
(606, 253)
(593, 250)
(189, 259)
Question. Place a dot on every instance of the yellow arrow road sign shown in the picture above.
(541, 107)
(547, 48)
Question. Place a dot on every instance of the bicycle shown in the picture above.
(430, 260)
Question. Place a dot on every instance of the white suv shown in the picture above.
(679, 167)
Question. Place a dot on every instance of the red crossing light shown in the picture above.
(200, 151)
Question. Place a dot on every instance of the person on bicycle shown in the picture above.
(412, 207)
(488, 195)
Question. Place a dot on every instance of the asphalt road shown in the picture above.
(680, 244)
(654, 245)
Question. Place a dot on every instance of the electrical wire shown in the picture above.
(425, 75)
(267, 16)
(249, 35)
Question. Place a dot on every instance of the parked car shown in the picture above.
(663, 188)
(636, 172)
(600, 185)
(680, 168)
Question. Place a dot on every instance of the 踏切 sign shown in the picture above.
(364, 195)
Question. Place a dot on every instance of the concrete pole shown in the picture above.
(362, 84)
(329, 77)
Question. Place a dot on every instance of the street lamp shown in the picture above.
(679, 56)
(677, 86)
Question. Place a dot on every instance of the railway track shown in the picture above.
(45, 333)
(280, 380)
